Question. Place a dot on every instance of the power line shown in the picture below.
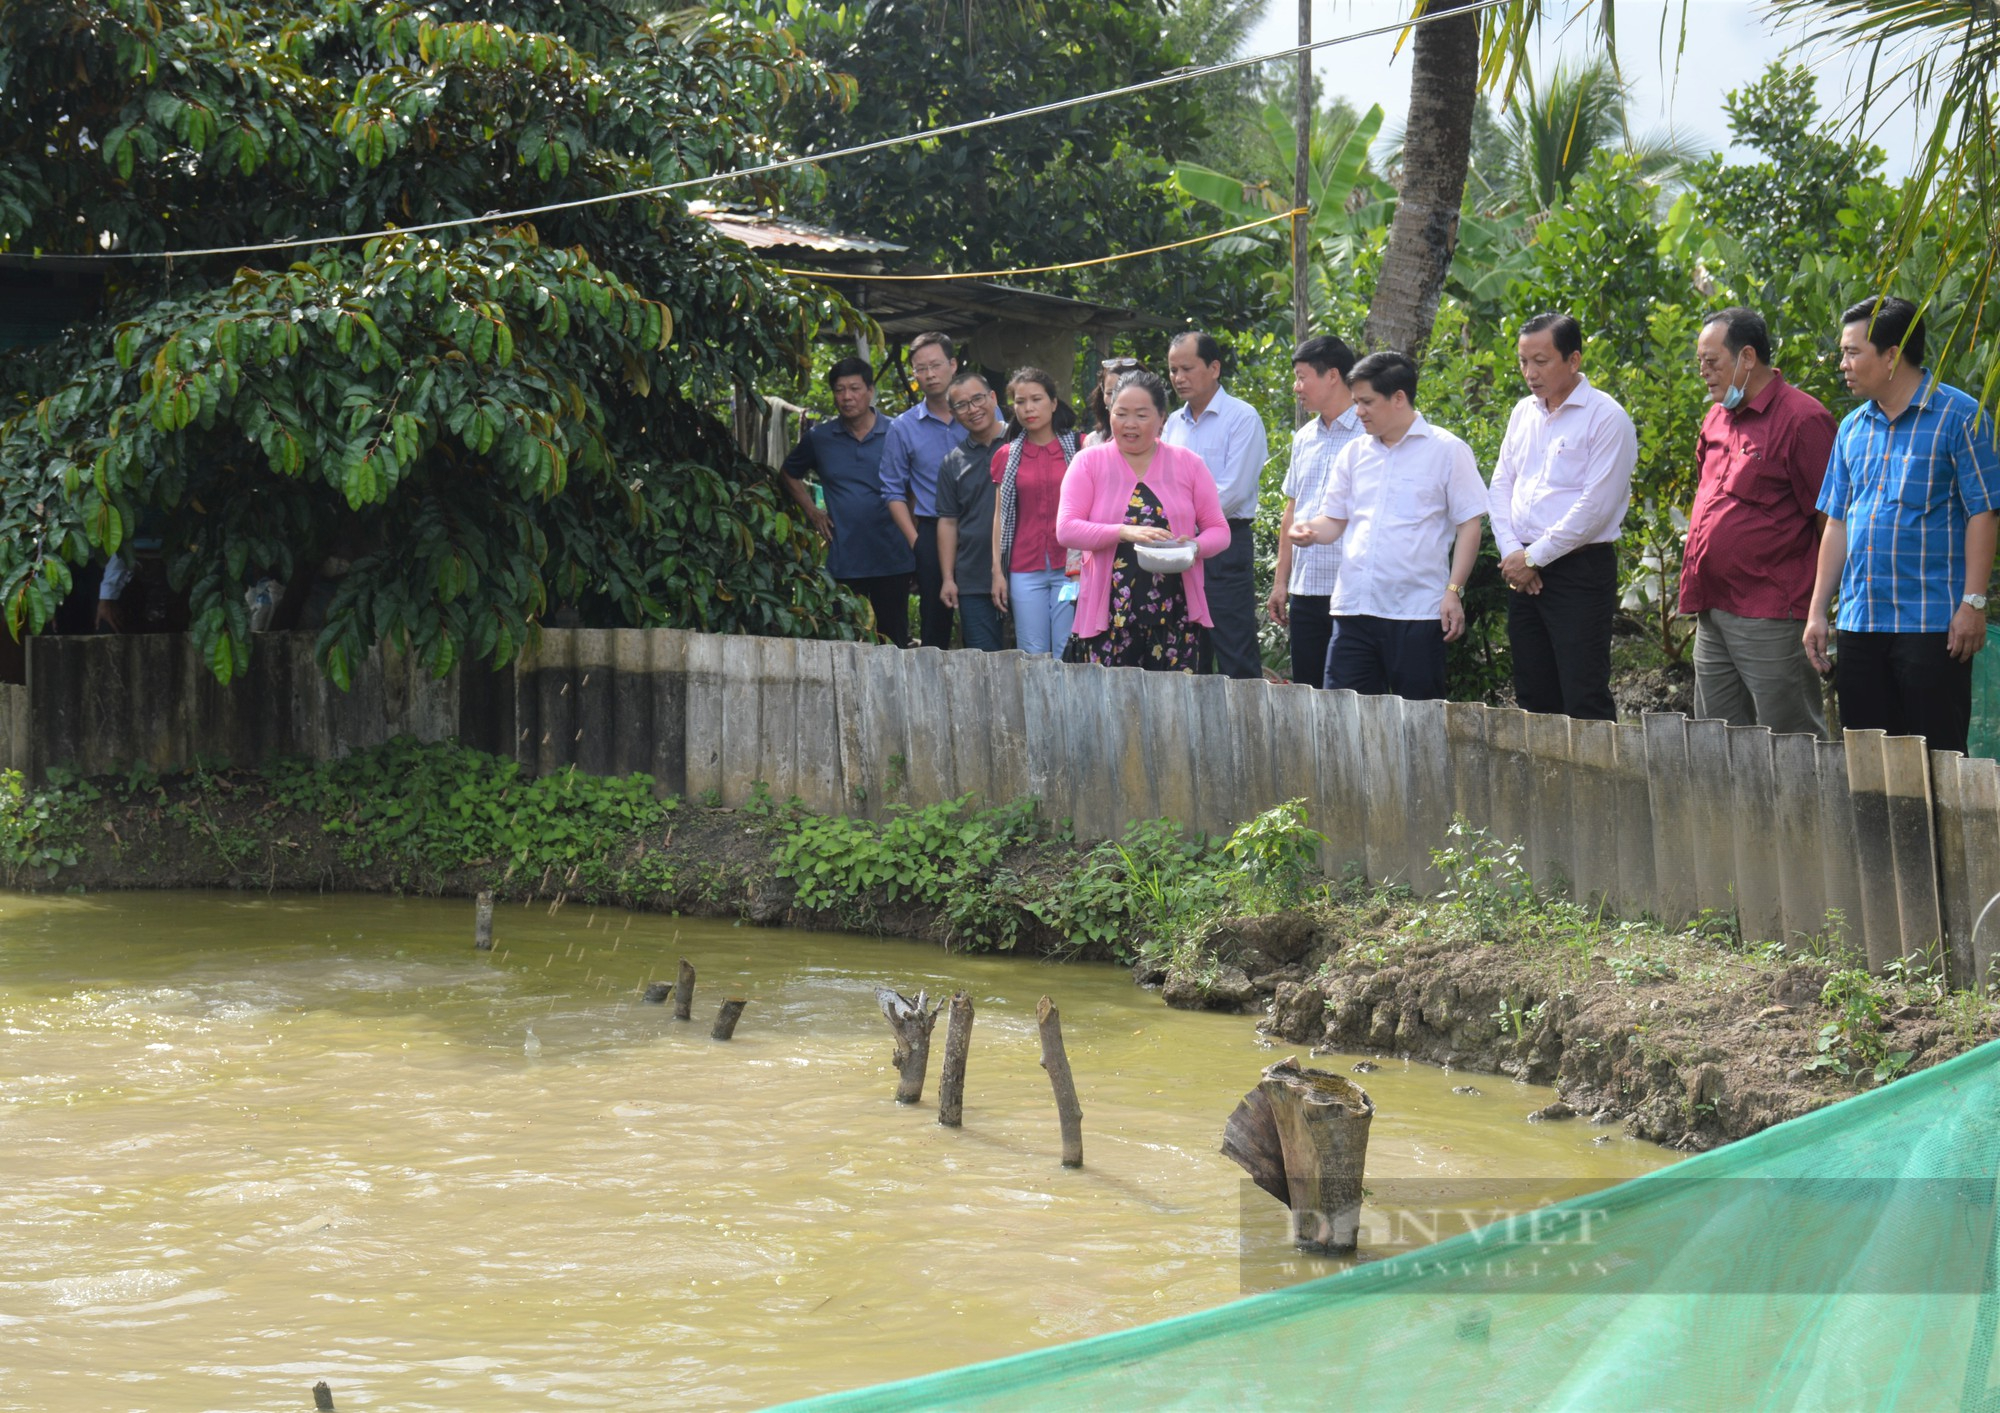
(1066, 265)
(1183, 75)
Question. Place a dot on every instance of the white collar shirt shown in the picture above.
(1229, 438)
(1563, 479)
(1314, 447)
(1403, 505)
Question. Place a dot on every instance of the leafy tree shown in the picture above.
(486, 421)
(1070, 185)
(1554, 127)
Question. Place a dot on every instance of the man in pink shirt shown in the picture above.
(1753, 537)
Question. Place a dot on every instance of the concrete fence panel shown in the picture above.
(1639, 886)
(1469, 763)
(1674, 828)
(1427, 762)
(1760, 893)
(1881, 917)
(777, 746)
(1840, 854)
(1255, 748)
(704, 717)
(931, 772)
(1906, 779)
(1552, 825)
(1386, 796)
(1593, 796)
(1711, 802)
(1510, 778)
(16, 738)
(1045, 736)
(1218, 754)
(1342, 815)
(1800, 835)
(1129, 753)
(1968, 806)
(1173, 759)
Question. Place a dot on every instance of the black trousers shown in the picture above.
(1561, 637)
(1312, 637)
(933, 618)
(889, 595)
(1907, 685)
(1229, 582)
(1374, 656)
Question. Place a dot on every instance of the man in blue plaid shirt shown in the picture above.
(1910, 498)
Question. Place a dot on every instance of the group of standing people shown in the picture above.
(1129, 542)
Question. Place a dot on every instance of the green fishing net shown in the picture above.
(1842, 1260)
(1986, 698)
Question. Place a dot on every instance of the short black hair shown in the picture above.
(1892, 323)
(1147, 383)
(1567, 332)
(850, 368)
(1743, 328)
(942, 342)
(1389, 373)
(970, 375)
(1324, 354)
(1205, 346)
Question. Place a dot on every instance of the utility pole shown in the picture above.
(1301, 220)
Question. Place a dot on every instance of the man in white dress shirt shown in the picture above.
(1228, 435)
(1406, 501)
(1302, 586)
(1558, 501)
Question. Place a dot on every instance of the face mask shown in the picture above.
(1732, 397)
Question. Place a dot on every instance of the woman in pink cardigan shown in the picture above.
(1137, 490)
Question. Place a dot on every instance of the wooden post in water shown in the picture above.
(684, 992)
(322, 1395)
(911, 1024)
(1056, 1061)
(726, 1018)
(657, 992)
(951, 1080)
(482, 923)
(1302, 1135)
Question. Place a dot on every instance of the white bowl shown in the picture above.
(1165, 559)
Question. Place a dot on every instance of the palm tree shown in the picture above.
(1552, 131)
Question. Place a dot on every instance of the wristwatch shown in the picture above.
(1458, 589)
(1977, 602)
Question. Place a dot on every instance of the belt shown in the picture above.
(1245, 520)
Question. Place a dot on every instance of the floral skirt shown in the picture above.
(1150, 626)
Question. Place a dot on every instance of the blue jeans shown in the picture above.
(979, 622)
(1041, 623)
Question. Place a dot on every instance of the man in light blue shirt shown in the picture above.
(917, 443)
(1228, 435)
(1302, 586)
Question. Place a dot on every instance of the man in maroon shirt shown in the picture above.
(1753, 538)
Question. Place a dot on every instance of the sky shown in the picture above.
(1729, 43)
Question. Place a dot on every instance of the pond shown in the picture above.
(255, 1142)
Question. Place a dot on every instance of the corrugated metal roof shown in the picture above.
(771, 230)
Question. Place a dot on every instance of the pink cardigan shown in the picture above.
(1092, 510)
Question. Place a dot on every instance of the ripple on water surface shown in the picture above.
(254, 1143)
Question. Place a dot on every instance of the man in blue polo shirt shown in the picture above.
(1910, 498)
(918, 441)
(865, 551)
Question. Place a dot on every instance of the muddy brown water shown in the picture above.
(249, 1144)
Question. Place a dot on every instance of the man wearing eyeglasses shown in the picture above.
(917, 443)
(965, 513)
(1753, 534)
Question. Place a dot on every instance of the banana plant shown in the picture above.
(1346, 199)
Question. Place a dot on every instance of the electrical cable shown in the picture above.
(1066, 265)
(1182, 75)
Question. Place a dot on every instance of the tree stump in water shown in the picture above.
(951, 1080)
(657, 993)
(1302, 1135)
(482, 924)
(912, 1026)
(684, 992)
(1069, 1113)
(726, 1018)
